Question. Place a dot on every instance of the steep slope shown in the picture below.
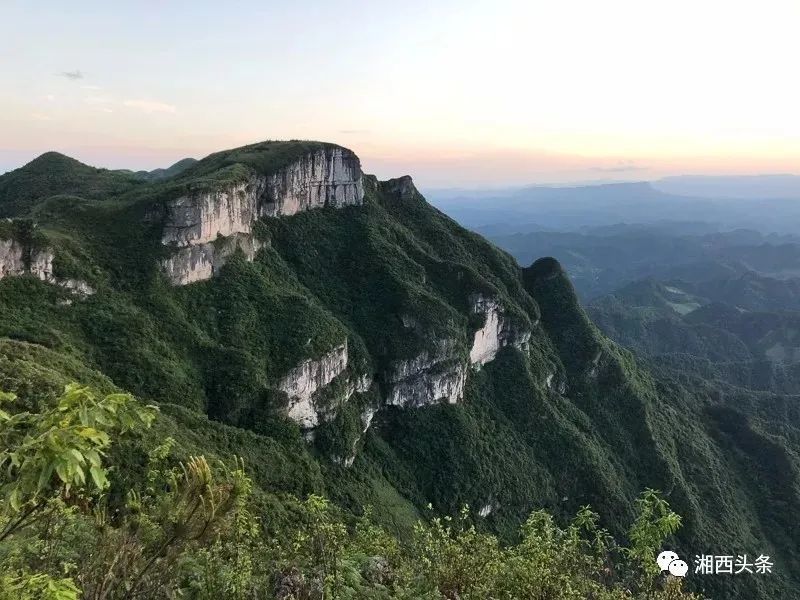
(349, 339)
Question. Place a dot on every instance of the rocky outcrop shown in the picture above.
(16, 259)
(201, 217)
(304, 381)
(488, 508)
(496, 333)
(401, 187)
(200, 262)
(41, 264)
(428, 378)
(439, 375)
(554, 383)
(594, 365)
(193, 223)
(76, 286)
(327, 177)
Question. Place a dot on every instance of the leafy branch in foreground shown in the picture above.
(191, 529)
(59, 452)
(182, 508)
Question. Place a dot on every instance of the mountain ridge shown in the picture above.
(371, 349)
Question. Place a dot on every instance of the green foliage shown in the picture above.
(191, 530)
(456, 558)
(182, 508)
(52, 174)
(37, 587)
(566, 420)
(59, 451)
(654, 523)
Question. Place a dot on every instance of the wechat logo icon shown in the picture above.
(669, 561)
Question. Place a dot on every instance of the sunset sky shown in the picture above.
(456, 93)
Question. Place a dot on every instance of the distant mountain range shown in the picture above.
(755, 187)
(538, 208)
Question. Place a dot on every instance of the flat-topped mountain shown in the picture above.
(347, 338)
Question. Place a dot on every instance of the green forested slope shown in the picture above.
(568, 420)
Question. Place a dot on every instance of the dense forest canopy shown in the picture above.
(265, 374)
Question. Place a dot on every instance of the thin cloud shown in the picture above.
(50, 98)
(71, 75)
(91, 87)
(41, 117)
(149, 106)
(353, 131)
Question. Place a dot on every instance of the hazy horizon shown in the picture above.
(457, 94)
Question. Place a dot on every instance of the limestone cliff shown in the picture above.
(329, 176)
(496, 333)
(200, 217)
(437, 374)
(17, 259)
(200, 262)
(303, 382)
(433, 376)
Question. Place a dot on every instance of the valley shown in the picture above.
(347, 339)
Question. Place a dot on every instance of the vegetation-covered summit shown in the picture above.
(559, 419)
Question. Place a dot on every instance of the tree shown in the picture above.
(50, 460)
(59, 453)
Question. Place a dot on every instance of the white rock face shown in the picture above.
(306, 378)
(555, 385)
(201, 217)
(42, 264)
(200, 262)
(366, 418)
(429, 378)
(593, 366)
(327, 177)
(12, 261)
(439, 375)
(496, 332)
(77, 287)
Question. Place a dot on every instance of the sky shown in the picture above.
(455, 93)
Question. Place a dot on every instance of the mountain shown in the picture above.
(602, 259)
(672, 325)
(53, 174)
(533, 208)
(348, 339)
(757, 187)
(171, 171)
